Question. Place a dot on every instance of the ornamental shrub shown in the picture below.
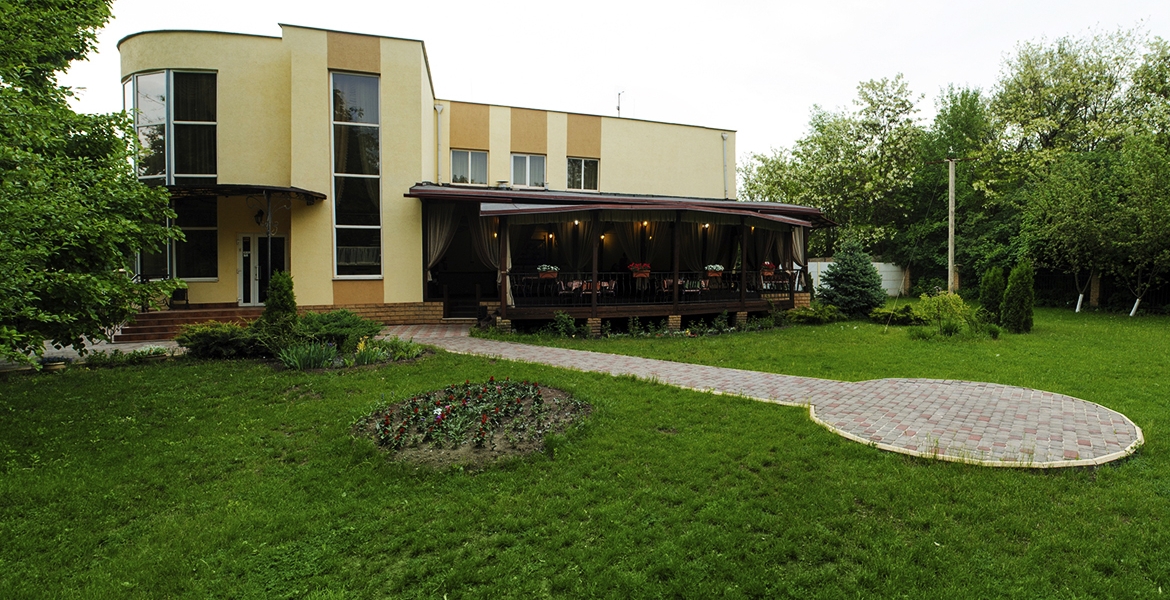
(342, 328)
(815, 314)
(218, 340)
(851, 283)
(903, 315)
(1016, 311)
(991, 288)
(276, 327)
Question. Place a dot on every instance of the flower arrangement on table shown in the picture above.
(640, 269)
(548, 271)
(767, 269)
(715, 270)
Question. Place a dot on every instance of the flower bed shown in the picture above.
(472, 423)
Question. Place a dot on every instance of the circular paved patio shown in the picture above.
(981, 423)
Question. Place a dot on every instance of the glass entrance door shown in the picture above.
(252, 265)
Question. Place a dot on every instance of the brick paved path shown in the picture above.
(982, 423)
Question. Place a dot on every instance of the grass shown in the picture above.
(191, 479)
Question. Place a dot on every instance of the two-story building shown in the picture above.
(328, 155)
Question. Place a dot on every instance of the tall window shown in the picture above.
(357, 214)
(582, 173)
(468, 166)
(174, 118)
(528, 170)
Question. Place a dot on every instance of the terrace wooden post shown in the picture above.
(743, 231)
(675, 231)
(503, 234)
(596, 283)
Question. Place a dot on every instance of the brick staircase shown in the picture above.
(164, 325)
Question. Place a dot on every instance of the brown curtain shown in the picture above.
(760, 249)
(441, 225)
(691, 246)
(719, 246)
(576, 244)
(487, 246)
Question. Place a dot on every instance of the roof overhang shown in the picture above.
(234, 189)
(505, 201)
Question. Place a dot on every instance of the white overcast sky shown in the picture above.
(755, 67)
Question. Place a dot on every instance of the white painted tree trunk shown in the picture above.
(1135, 305)
(1080, 298)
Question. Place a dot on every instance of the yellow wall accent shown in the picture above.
(469, 126)
(642, 157)
(529, 131)
(556, 170)
(311, 157)
(253, 127)
(353, 52)
(357, 292)
(583, 136)
(500, 150)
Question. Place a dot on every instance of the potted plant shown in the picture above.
(548, 271)
(715, 270)
(640, 270)
(767, 269)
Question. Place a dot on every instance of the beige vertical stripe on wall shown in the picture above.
(529, 131)
(352, 52)
(584, 136)
(470, 126)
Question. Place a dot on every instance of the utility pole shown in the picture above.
(951, 226)
(619, 107)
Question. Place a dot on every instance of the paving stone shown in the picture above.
(976, 422)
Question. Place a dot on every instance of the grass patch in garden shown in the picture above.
(230, 479)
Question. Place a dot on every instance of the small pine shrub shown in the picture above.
(277, 326)
(1018, 299)
(341, 328)
(851, 283)
(903, 315)
(218, 340)
(816, 314)
(991, 288)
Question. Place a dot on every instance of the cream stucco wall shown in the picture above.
(555, 167)
(642, 157)
(500, 145)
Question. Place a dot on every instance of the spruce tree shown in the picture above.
(276, 327)
(851, 283)
(991, 289)
(1016, 311)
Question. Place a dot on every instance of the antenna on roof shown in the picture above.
(620, 103)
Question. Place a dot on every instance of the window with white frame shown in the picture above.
(528, 170)
(469, 166)
(357, 214)
(583, 174)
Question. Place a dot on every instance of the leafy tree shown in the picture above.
(1016, 312)
(1139, 227)
(74, 214)
(851, 283)
(991, 289)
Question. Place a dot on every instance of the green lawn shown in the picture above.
(232, 480)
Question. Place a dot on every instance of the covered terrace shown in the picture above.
(530, 253)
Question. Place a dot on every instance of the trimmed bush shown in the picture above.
(903, 315)
(1018, 299)
(851, 283)
(991, 288)
(217, 340)
(342, 328)
(816, 314)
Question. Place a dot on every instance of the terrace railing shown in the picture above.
(624, 287)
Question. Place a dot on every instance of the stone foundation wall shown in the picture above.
(801, 299)
(403, 313)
